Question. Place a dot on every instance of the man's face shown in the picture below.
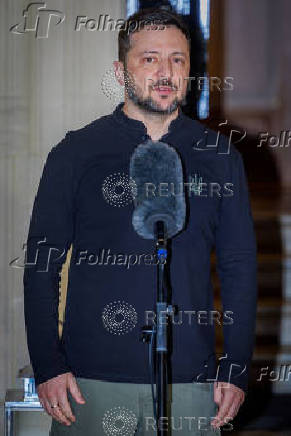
(157, 69)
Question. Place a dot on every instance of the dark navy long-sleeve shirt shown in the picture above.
(82, 200)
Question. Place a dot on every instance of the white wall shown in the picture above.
(47, 86)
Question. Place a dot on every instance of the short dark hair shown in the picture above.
(144, 17)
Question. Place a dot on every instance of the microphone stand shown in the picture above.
(159, 333)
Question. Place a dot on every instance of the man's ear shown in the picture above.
(119, 72)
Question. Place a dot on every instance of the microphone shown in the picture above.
(157, 172)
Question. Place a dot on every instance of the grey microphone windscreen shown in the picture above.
(156, 169)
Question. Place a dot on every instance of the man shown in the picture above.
(96, 375)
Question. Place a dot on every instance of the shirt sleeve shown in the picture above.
(49, 237)
(236, 251)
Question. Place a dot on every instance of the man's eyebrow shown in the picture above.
(150, 51)
(156, 52)
(179, 53)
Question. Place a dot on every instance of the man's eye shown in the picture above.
(178, 60)
(149, 60)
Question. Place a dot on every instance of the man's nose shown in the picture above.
(165, 68)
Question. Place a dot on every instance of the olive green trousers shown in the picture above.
(126, 409)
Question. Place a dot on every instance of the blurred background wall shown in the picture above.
(52, 84)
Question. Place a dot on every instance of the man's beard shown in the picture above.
(148, 104)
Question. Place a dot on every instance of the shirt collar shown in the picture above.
(138, 126)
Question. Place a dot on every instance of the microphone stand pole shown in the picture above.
(158, 335)
(161, 350)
